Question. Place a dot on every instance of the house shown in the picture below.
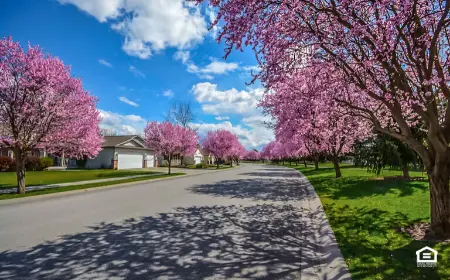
(123, 152)
(202, 155)
(176, 160)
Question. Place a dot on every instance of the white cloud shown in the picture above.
(134, 118)
(128, 101)
(214, 32)
(136, 71)
(101, 10)
(149, 26)
(205, 72)
(252, 130)
(232, 101)
(250, 68)
(222, 118)
(122, 124)
(252, 137)
(168, 93)
(104, 62)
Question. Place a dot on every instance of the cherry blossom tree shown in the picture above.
(394, 52)
(237, 152)
(252, 155)
(308, 117)
(43, 107)
(222, 144)
(169, 139)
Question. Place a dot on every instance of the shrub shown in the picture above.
(32, 163)
(45, 163)
(5, 163)
(81, 163)
(199, 165)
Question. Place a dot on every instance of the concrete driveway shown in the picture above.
(253, 222)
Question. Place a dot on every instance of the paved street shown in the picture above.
(253, 222)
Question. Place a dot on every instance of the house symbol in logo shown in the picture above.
(426, 257)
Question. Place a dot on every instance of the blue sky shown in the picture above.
(139, 56)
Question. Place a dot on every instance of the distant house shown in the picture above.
(176, 160)
(123, 152)
(201, 155)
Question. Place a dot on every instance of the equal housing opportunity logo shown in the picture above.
(426, 257)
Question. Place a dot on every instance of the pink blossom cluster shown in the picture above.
(42, 106)
(168, 139)
(252, 155)
(224, 145)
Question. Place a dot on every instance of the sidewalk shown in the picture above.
(42, 187)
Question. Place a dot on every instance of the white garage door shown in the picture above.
(128, 161)
(150, 161)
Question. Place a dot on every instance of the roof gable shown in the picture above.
(124, 141)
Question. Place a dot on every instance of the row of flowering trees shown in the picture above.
(43, 107)
(170, 139)
(385, 62)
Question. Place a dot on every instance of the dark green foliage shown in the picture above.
(381, 151)
(46, 162)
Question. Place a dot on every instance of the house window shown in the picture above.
(4, 152)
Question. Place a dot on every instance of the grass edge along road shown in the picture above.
(366, 214)
(86, 186)
(37, 178)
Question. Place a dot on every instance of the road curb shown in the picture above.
(331, 262)
(96, 189)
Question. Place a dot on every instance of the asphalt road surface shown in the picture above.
(253, 222)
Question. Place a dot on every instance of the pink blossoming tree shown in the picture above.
(43, 107)
(222, 144)
(170, 139)
(395, 53)
(309, 118)
(252, 155)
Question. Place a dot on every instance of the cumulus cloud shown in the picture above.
(168, 93)
(222, 118)
(104, 62)
(207, 71)
(251, 137)
(252, 129)
(148, 26)
(128, 101)
(136, 71)
(122, 124)
(231, 101)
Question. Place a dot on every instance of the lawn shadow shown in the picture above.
(374, 247)
(220, 242)
(357, 187)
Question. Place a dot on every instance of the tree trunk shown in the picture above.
(231, 163)
(217, 161)
(337, 168)
(440, 197)
(304, 162)
(169, 161)
(405, 170)
(316, 162)
(20, 165)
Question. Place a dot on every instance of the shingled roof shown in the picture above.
(113, 141)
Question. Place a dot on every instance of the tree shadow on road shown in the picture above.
(282, 173)
(267, 189)
(220, 242)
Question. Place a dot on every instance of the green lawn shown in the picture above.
(365, 215)
(82, 187)
(9, 180)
